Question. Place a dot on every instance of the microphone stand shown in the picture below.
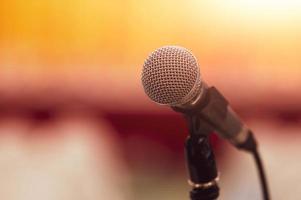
(200, 158)
(200, 162)
(202, 169)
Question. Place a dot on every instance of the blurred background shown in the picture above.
(75, 122)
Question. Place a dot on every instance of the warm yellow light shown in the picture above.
(263, 8)
(264, 4)
(267, 4)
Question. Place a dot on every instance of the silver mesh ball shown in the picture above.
(170, 76)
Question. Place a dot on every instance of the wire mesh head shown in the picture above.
(170, 76)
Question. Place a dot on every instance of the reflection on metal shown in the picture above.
(204, 185)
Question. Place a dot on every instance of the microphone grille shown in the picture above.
(170, 76)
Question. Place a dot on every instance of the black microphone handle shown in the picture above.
(215, 115)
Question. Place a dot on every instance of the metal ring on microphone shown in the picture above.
(204, 185)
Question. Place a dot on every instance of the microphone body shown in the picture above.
(212, 113)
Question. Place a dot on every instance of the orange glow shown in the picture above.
(254, 42)
(57, 33)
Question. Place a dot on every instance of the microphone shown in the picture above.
(171, 77)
